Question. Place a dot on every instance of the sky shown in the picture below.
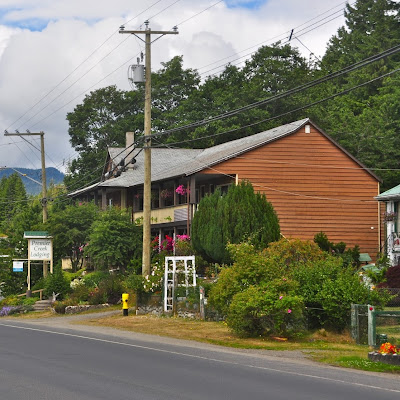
(54, 52)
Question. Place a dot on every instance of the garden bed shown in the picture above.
(392, 359)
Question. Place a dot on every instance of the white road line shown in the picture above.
(201, 357)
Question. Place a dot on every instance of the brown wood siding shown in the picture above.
(314, 186)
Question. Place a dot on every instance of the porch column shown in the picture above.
(104, 199)
(124, 199)
(192, 201)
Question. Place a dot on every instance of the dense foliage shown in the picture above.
(363, 116)
(13, 198)
(350, 257)
(271, 291)
(238, 216)
(70, 227)
(113, 239)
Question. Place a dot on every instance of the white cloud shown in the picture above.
(44, 42)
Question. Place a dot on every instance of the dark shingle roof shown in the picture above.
(169, 163)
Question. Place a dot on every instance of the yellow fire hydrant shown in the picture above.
(125, 298)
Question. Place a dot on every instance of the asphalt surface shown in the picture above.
(55, 359)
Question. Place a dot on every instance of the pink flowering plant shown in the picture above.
(181, 245)
(182, 190)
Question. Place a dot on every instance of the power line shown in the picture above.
(299, 32)
(331, 76)
(288, 112)
(298, 89)
(287, 192)
(59, 95)
(77, 67)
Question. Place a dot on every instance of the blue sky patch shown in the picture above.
(33, 24)
(249, 4)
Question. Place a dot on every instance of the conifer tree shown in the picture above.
(12, 197)
(240, 215)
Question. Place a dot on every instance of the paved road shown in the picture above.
(49, 359)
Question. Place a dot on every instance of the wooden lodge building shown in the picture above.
(313, 184)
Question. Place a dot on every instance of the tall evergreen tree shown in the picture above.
(13, 198)
(363, 120)
(240, 215)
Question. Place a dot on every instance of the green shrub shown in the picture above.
(271, 308)
(329, 289)
(39, 284)
(12, 301)
(56, 283)
(97, 296)
(60, 306)
(350, 257)
(93, 279)
(29, 301)
(109, 290)
(134, 282)
(250, 268)
(113, 288)
(326, 287)
(80, 293)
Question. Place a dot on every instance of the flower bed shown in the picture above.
(388, 354)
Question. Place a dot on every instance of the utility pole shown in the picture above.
(44, 184)
(146, 255)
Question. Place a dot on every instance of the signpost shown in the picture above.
(40, 247)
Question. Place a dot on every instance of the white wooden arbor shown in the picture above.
(179, 271)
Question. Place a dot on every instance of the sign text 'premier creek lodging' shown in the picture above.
(40, 249)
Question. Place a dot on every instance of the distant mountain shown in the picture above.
(53, 175)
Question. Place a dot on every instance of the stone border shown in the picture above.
(84, 307)
(392, 359)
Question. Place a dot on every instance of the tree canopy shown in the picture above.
(13, 198)
(70, 227)
(113, 239)
(363, 116)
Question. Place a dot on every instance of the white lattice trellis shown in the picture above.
(177, 267)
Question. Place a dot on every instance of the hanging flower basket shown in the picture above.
(166, 194)
(182, 190)
(389, 216)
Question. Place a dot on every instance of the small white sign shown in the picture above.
(40, 249)
(18, 266)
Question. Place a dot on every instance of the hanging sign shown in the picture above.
(18, 266)
(40, 249)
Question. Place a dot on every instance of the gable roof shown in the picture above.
(391, 194)
(168, 163)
